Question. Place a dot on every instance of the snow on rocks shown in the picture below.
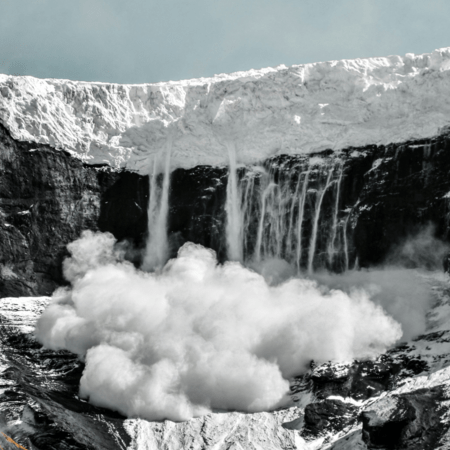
(219, 431)
(21, 313)
(414, 413)
(283, 110)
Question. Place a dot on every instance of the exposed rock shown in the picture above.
(405, 189)
(359, 380)
(409, 421)
(197, 212)
(385, 426)
(329, 415)
(47, 198)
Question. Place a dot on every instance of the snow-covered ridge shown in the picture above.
(300, 109)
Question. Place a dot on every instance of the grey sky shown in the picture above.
(137, 41)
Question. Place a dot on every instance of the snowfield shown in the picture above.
(300, 109)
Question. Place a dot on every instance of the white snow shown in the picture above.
(21, 313)
(218, 431)
(300, 109)
(277, 429)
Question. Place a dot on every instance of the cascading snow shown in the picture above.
(196, 336)
(281, 207)
(180, 338)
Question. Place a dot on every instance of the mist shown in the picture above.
(404, 294)
(400, 286)
(420, 250)
(198, 336)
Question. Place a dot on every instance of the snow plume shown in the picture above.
(400, 286)
(198, 336)
(421, 250)
(403, 293)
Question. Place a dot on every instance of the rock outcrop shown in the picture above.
(47, 198)
(329, 415)
(409, 421)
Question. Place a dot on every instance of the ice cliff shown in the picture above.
(284, 110)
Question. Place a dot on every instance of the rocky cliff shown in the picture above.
(379, 125)
(47, 198)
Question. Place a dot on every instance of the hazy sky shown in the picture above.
(137, 41)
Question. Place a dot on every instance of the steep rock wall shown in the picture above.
(47, 198)
(386, 194)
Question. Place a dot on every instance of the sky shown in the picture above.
(143, 41)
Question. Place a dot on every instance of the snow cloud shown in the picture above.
(403, 293)
(197, 335)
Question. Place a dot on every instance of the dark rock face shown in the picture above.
(407, 421)
(360, 380)
(329, 415)
(386, 194)
(123, 205)
(197, 212)
(386, 428)
(363, 380)
(47, 198)
(404, 190)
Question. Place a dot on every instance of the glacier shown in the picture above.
(284, 110)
